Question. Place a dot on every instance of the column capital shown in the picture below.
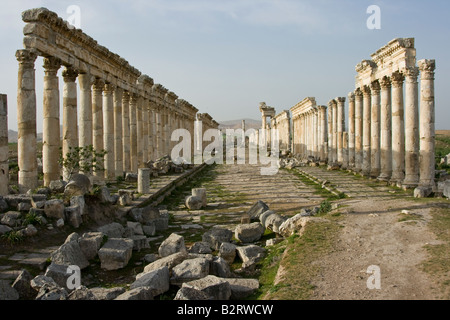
(375, 87)
(126, 97)
(366, 91)
(358, 92)
(70, 74)
(98, 85)
(332, 103)
(411, 74)
(385, 82)
(52, 65)
(427, 68)
(109, 88)
(351, 97)
(340, 99)
(397, 79)
(26, 57)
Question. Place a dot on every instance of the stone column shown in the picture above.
(427, 123)
(345, 150)
(97, 119)
(412, 139)
(144, 180)
(85, 114)
(330, 133)
(158, 132)
(351, 130)
(358, 130)
(340, 129)
(151, 132)
(108, 136)
(70, 117)
(51, 135)
(4, 149)
(367, 104)
(398, 130)
(385, 130)
(335, 132)
(314, 134)
(145, 135)
(140, 132)
(118, 132)
(324, 134)
(26, 120)
(133, 134)
(126, 131)
(375, 169)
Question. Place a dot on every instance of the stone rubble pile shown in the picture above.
(165, 165)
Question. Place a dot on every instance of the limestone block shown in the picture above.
(250, 255)
(73, 216)
(140, 242)
(249, 232)
(79, 185)
(173, 244)
(112, 230)
(23, 286)
(107, 293)
(186, 293)
(7, 292)
(188, 270)
(216, 236)
(220, 268)
(82, 293)
(200, 247)
(90, 243)
(257, 209)
(54, 209)
(144, 181)
(157, 279)
(194, 203)
(200, 193)
(140, 293)
(169, 261)
(242, 288)
(70, 254)
(216, 288)
(116, 253)
(11, 219)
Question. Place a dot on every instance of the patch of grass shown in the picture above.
(298, 257)
(13, 237)
(438, 262)
(318, 190)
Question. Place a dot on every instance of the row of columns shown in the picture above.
(385, 124)
(132, 128)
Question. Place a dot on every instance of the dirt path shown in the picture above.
(372, 235)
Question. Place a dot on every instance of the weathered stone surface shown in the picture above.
(220, 268)
(72, 237)
(23, 207)
(60, 223)
(296, 223)
(79, 185)
(248, 233)
(4, 229)
(7, 292)
(173, 244)
(70, 254)
(3, 204)
(131, 177)
(140, 293)
(257, 209)
(194, 203)
(116, 253)
(263, 217)
(446, 191)
(144, 215)
(81, 293)
(57, 186)
(23, 287)
(73, 216)
(136, 227)
(186, 293)
(214, 287)
(189, 270)
(250, 255)
(51, 292)
(112, 230)
(54, 209)
(30, 231)
(227, 251)
(157, 279)
(13, 200)
(242, 288)
(58, 273)
(200, 193)
(107, 293)
(80, 202)
(170, 261)
(200, 247)
(423, 192)
(216, 236)
(140, 242)
(39, 281)
(90, 243)
(273, 222)
(11, 219)
(149, 231)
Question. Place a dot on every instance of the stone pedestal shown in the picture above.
(144, 181)
(4, 150)
(50, 135)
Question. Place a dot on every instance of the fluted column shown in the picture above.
(367, 104)
(398, 131)
(118, 132)
(70, 116)
(385, 130)
(340, 129)
(375, 167)
(140, 132)
(126, 131)
(427, 123)
(351, 130)
(358, 130)
(26, 120)
(133, 133)
(97, 119)
(412, 139)
(85, 113)
(108, 135)
(145, 136)
(50, 135)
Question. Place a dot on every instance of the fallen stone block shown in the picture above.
(173, 244)
(248, 233)
(157, 279)
(188, 270)
(116, 253)
(212, 286)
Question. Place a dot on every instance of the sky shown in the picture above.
(227, 56)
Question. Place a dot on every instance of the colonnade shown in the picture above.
(113, 108)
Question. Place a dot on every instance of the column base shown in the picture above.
(423, 192)
(410, 184)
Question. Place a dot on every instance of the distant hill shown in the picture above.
(237, 124)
